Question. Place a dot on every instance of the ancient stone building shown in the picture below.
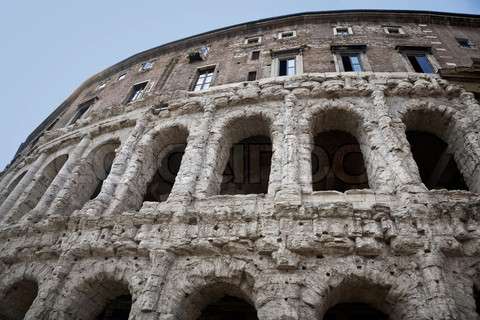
(312, 166)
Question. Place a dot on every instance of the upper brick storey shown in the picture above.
(313, 37)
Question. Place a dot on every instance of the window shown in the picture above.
(351, 62)
(393, 30)
(464, 43)
(287, 67)
(253, 40)
(420, 62)
(255, 55)
(146, 66)
(101, 85)
(204, 79)
(82, 109)
(287, 34)
(137, 92)
(121, 77)
(342, 31)
(252, 76)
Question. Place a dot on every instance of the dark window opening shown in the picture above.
(229, 308)
(337, 162)
(435, 162)
(287, 34)
(137, 92)
(420, 63)
(17, 300)
(476, 297)
(252, 76)
(255, 55)
(342, 31)
(351, 62)
(204, 79)
(248, 167)
(354, 311)
(117, 309)
(287, 67)
(393, 30)
(102, 172)
(253, 40)
(82, 109)
(464, 43)
(164, 178)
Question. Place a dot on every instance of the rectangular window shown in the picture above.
(252, 76)
(204, 79)
(342, 31)
(253, 40)
(82, 109)
(137, 92)
(464, 43)
(255, 55)
(393, 30)
(420, 63)
(351, 62)
(121, 77)
(287, 34)
(146, 66)
(287, 67)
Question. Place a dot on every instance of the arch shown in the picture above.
(100, 297)
(11, 186)
(435, 148)
(17, 299)
(476, 298)
(40, 185)
(339, 150)
(244, 139)
(163, 162)
(194, 285)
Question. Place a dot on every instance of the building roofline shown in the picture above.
(410, 14)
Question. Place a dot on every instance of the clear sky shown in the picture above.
(49, 47)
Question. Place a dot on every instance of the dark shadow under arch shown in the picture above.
(229, 308)
(17, 299)
(354, 311)
(436, 163)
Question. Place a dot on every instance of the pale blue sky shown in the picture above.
(50, 47)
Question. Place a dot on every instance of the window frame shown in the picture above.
(386, 29)
(296, 54)
(342, 34)
(256, 52)
(198, 75)
(360, 50)
(349, 55)
(250, 73)
(83, 109)
(131, 95)
(146, 66)
(258, 38)
(122, 76)
(430, 58)
(281, 35)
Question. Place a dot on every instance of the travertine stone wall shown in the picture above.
(292, 253)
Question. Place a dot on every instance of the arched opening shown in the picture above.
(117, 308)
(242, 165)
(164, 178)
(229, 308)
(435, 161)
(354, 311)
(17, 299)
(101, 162)
(248, 167)
(337, 150)
(41, 185)
(337, 162)
(164, 161)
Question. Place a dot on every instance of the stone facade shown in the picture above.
(74, 237)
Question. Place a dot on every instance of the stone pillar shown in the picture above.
(193, 159)
(441, 305)
(32, 174)
(56, 190)
(106, 199)
(148, 301)
(392, 149)
(290, 191)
